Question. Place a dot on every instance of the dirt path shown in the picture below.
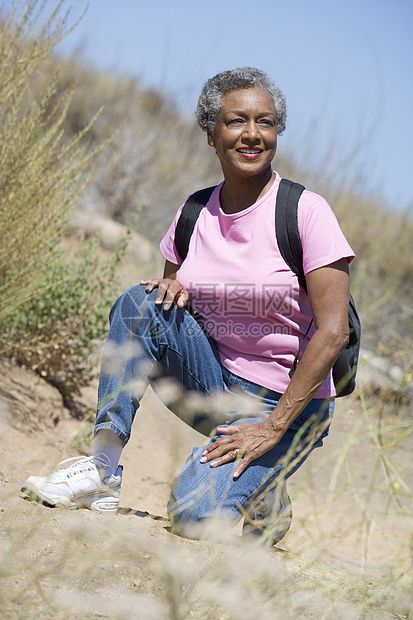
(350, 538)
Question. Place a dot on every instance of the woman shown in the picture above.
(251, 317)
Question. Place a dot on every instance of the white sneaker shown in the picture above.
(269, 516)
(81, 485)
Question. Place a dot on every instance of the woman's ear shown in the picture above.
(210, 139)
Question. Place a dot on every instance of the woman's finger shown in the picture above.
(246, 442)
(241, 466)
(235, 446)
(182, 298)
(230, 430)
(236, 455)
(150, 284)
(162, 294)
(168, 291)
(224, 443)
(232, 455)
(217, 449)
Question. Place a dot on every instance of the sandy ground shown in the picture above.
(351, 535)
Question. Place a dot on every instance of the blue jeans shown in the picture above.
(146, 344)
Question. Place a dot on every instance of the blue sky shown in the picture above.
(346, 68)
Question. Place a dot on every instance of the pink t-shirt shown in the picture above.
(247, 297)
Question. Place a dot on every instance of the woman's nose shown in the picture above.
(251, 130)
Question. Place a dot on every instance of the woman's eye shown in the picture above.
(236, 121)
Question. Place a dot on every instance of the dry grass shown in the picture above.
(52, 308)
(41, 177)
(349, 554)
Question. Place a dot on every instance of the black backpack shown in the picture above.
(289, 243)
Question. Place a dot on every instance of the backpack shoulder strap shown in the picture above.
(189, 215)
(288, 238)
(286, 227)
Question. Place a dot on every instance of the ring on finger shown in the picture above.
(237, 451)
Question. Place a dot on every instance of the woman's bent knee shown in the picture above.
(198, 508)
(189, 520)
(132, 306)
(217, 529)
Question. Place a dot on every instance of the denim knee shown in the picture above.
(187, 493)
(200, 492)
(135, 295)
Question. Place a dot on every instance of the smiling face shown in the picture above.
(245, 134)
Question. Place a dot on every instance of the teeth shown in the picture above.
(252, 152)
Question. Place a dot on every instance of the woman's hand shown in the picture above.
(245, 442)
(169, 290)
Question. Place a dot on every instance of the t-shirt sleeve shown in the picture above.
(321, 236)
(167, 245)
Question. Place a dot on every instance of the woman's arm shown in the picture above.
(169, 289)
(169, 270)
(328, 291)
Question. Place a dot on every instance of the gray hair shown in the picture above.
(214, 90)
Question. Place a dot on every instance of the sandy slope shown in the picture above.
(64, 564)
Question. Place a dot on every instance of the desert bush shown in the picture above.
(53, 308)
(40, 177)
(59, 332)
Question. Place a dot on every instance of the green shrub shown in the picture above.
(58, 333)
(53, 309)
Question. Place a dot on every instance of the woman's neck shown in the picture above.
(239, 194)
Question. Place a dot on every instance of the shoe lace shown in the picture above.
(79, 459)
(99, 459)
(75, 468)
